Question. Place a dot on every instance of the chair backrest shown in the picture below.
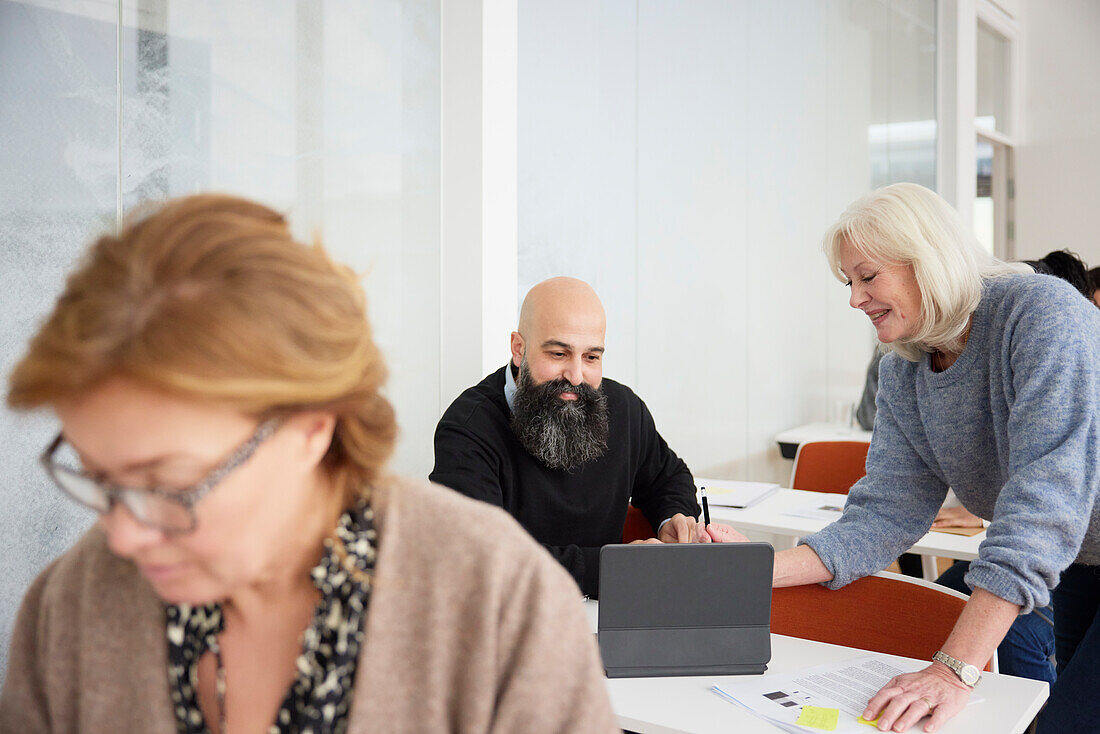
(887, 612)
(636, 527)
(829, 466)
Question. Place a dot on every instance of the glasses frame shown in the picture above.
(187, 497)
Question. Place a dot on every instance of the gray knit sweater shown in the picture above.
(1013, 426)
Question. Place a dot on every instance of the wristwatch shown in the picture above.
(967, 673)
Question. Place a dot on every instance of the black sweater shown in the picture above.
(572, 513)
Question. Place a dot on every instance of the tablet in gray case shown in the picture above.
(685, 609)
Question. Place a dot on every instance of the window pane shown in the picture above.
(992, 102)
(984, 214)
(328, 111)
(58, 183)
(902, 93)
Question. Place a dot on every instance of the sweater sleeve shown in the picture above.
(889, 509)
(468, 464)
(663, 485)
(23, 704)
(1052, 379)
(551, 679)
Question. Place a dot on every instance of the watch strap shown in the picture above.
(956, 666)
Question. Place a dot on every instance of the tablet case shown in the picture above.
(685, 609)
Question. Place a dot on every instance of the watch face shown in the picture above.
(969, 675)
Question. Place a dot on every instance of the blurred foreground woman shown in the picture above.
(253, 568)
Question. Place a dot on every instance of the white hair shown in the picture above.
(907, 224)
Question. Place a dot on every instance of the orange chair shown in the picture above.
(829, 466)
(834, 466)
(887, 612)
(636, 527)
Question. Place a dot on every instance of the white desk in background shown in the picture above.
(686, 705)
(768, 516)
(790, 439)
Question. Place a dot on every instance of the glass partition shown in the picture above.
(991, 111)
(327, 110)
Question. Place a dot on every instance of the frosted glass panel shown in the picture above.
(58, 183)
(902, 131)
(328, 111)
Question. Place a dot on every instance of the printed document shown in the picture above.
(811, 695)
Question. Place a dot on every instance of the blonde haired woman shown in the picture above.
(254, 568)
(992, 389)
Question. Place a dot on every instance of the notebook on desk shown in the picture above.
(686, 609)
(738, 495)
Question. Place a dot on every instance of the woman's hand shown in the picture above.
(683, 529)
(908, 698)
(956, 517)
(720, 533)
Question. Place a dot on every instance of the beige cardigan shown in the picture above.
(472, 627)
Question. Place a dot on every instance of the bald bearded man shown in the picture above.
(559, 447)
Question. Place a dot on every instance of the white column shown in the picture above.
(478, 225)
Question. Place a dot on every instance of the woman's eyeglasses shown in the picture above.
(171, 510)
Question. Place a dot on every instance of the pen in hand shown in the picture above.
(706, 507)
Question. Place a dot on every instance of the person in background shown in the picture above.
(865, 411)
(993, 389)
(254, 567)
(560, 447)
(1094, 285)
(1067, 266)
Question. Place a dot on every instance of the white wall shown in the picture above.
(685, 159)
(1058, 158)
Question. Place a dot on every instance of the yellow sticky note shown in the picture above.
(818, 717)
(862, 720)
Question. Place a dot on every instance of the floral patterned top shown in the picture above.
(318, 699)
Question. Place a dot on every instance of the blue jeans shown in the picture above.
(1029, 644)
(1074, 703)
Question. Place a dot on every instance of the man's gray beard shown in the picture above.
(562, 434)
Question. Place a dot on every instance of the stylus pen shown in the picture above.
(706, 507)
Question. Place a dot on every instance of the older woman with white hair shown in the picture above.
(993, 389)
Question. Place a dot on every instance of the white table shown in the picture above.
(686, 705)
(768, 516)
(790, 439)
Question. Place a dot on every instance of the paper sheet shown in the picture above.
(827, 511)
(845, 686)
(726, 493)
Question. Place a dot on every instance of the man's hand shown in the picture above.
(683, 529)
(956, 517)
(646, 541)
